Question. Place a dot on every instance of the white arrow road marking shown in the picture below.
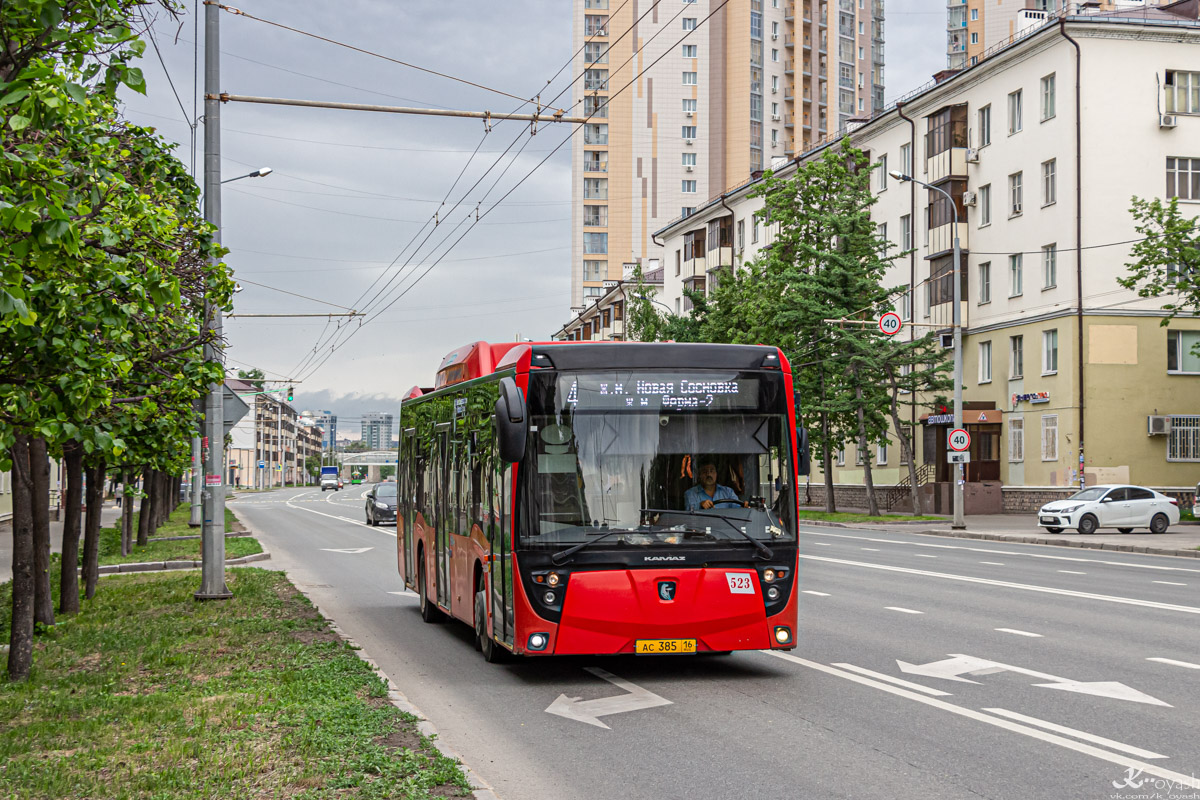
(959, 664)
(1189, 781)
(1129, 601)
(879, 676)
(351, 550)
(587, 711)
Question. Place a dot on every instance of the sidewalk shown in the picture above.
(109, 514)
(1180, 540)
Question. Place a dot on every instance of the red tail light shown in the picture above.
(1174, 500)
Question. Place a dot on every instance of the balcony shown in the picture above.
(789, 66)
(789, 93)
(789, 40)
(941, 239)
(950, 163)
(693, 272)
(789, 12)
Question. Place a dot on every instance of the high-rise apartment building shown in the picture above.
(690, 97)
(327, 422)
(377, 430)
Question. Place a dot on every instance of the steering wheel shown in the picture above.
(735, 503)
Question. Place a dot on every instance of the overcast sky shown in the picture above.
(351, 191)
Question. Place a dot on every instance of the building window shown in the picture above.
(689, 23)
(595, 161)
(1049, 352)
(1014, 194)
(595, 133)
(774, 55)
(1049, 266)
(1015, 277)
(689, 159)
(595, 106)
(678, 260)
(1050, 437)
(985, 362)
(946, 129)
(754, 229)
(774, 84)
(985, 282)
(883, 172)
(1182, 92)
(595, 244)
(688, 187)
(688, 131)
(1016, 356)
(689, 51)
(774, 29)
(974, 15)
(906, 159)
(1183, 178)
(881, 233)
(1049, 182)
(1014, 112)
(689, 79)
(841, 457)
(1047, 98)
(595, 216)
(594, 270)
(974, 38)
(985, 205)
(1016, 439)
(689, 105)
(595, 188)
(906, 233)
(1184, 442)
(687, 211)
(1183, 352)
(600, 4)
(594, 25)
(595, 80)
(881, 455)
(906, 309)
(985, 126)
(595, 53)
(741, 235)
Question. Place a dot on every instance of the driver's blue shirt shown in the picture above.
(696, 495)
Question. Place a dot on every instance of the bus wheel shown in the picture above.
(492, 652)
(429, 612)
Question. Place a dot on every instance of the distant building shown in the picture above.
(377, 430)
(327, 422)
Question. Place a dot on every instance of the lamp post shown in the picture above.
(959, 520)
(652, 300)
(261, 172)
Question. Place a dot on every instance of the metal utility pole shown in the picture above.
(959, 520)
(212, 575)
(197, 512)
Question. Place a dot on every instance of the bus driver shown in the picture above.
(709, 492)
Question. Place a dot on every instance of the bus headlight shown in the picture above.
(772, 592)
(538, 641)
(768, 576)
(549, 598)
(783, 634)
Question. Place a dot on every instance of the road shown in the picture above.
(927, 668)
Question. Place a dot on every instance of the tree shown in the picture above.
(912, 368)
(1167, 259)
(254, 377)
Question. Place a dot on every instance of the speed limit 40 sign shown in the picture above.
(890, 323)
(959, 440)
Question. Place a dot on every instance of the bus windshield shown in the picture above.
(660, 457)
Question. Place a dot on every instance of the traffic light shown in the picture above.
(289, 394)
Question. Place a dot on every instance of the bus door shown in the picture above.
(408, 473)
(500, 563)
(445, 513)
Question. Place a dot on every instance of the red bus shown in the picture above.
(603, 498)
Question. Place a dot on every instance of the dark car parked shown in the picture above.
(381, 503)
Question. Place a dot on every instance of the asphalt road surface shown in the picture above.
(927, 668)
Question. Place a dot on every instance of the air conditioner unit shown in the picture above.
(1167, 120)
(972, 155)
(1158, 426)
(689, 113)
(689, 141)
(774, 36)
(775, 118)
(689, 168)
(968, 199)
(774, 90)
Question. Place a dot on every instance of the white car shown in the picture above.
(1120, 507)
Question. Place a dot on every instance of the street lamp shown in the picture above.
(261, 172)
(652, 300)
(959, 520)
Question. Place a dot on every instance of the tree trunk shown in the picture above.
(872, 504)
(126, 512)
(906, 448)
(91, 533)
(827, 457)
(20, 639)
(39, 474)
(144, 511)
(68, 581)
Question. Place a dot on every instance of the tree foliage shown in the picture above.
(1167, 260)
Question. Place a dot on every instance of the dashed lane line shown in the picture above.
(903, 610)
(818, 594)
(993, 563)
(1072, 572)
(1016, 632)
(1174, 663)
(1171, 583)
(1111, 744)
(879, 676)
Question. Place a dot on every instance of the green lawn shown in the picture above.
(150, 694)
(840, 517)
(186, 550)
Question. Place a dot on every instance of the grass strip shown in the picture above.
(148, 693)
(838, 516)
(185, 550)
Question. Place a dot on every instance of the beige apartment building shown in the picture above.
(690, 97)
(1065, 371)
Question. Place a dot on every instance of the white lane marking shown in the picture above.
(872, 549)
(902, 610)
(822, 544)
(1129, 601)
(384, 531)
(405, 593)
(958, 664)
(1087, 737)
(818, 594)
(924, 555)
(1019, 633)
(1175, 663)
(1170, 583)
(1072, 572)
(992, 563)
(1014, 727)
(354, 551)
(635, 699)
(879, 676)
(1003, 552)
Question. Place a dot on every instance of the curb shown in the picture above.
(157, 566)
(482, 790)
(993, 537)
(230, 535)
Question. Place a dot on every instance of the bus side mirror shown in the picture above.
(511, 425)
(803, 458)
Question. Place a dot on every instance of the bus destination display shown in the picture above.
(659, 392)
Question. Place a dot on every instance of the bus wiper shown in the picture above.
(562, 555)
(762, 549)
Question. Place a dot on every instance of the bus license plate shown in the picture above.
(649, 646)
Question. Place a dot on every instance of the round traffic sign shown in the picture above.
(890, 323)
(959, 440)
